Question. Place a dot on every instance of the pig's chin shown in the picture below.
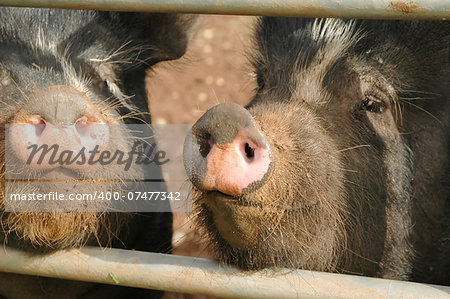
(52, 230)
(234, 220)
(239, 221)
(60, 225)
(254, 235)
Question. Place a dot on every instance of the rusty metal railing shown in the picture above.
(373, 9)
(203, 276)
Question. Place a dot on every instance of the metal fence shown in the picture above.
(202, 276)
(373, 9)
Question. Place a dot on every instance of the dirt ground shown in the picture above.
(215, 70)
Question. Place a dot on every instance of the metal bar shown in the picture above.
(373, 9)
(202, 276)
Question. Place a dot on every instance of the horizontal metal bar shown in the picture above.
(374, 9)
(202, 276)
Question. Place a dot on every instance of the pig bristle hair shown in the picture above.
(334, 30)
(319, 239)
(129, 54)
(58, 230)
(335, 37)
(300, 66)
(347, 192)
(115, 90)
(123, 54)
(42, 44)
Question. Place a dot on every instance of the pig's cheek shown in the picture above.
(234, 222)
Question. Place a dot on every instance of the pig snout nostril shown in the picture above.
(83, 125)
(232, 167)
(249, 152)
(226, 152)
(39, 124)
(205, 144)
(82, 121)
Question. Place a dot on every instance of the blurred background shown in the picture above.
(214, 70)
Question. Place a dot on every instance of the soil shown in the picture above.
(214, 70)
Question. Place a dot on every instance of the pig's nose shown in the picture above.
(30, 133)
(226, 151)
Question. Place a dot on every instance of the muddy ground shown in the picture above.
(215, 70)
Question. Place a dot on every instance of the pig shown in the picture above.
(84, 69)
(339, 162)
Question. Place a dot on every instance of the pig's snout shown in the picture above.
(61, 116)
(226, 152)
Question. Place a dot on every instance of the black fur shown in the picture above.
(37, 47)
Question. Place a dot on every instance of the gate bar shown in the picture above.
(373, 9)
(203, 276)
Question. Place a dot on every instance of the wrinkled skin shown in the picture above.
(67, 67)
(353, 174)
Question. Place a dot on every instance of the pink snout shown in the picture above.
(60, 124)
(30, 139)
(226, 152)
(235, 166)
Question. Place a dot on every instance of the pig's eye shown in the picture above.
(372, 104)
(104, 85)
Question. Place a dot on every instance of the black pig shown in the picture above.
(340, 161)
(79, 68)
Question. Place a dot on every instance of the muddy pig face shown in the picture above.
(66, 78)
(316, 172)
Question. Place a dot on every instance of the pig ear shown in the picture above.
(166, 35)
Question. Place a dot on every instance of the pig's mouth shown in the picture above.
(60, 173)
(54, 222)
(233, 218)
(223, 195)
(219, 198)
(229, 199)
